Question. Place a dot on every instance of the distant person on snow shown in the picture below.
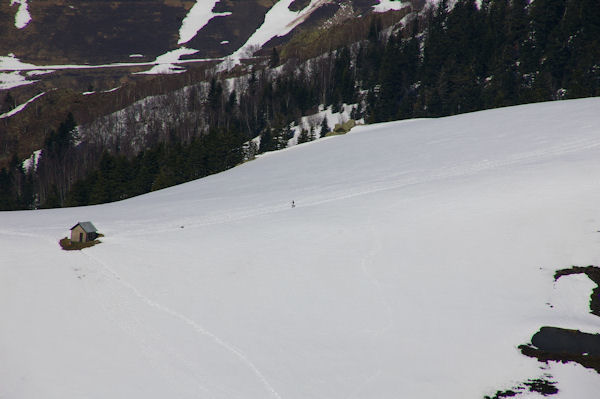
(293, 204)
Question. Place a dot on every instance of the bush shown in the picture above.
(69, 245)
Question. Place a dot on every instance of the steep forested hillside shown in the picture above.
(439, 62)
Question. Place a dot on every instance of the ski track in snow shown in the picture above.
(367, 381)
(365, 264)
(28, 235)
(191, 323)
(387, 183)
(120, 310)
(456, 171)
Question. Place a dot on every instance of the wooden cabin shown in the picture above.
(83, 232)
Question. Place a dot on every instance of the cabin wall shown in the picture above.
(78, 234)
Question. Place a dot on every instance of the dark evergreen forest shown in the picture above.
(445, 62)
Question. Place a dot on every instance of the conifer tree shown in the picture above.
(324, 127)
(303, 137)
(8, 104)
(274, 60)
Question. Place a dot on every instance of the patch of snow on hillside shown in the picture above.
(32, 161)
(451, 3)
(111, 90)
(22, 17)
(21, 107)
(197, 18)
(9, 80)
(388, 5)
(279, 21)
(12, 63)
(38, 72)
(167, 63)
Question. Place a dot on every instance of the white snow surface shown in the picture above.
(419, 255)
(22, 17)
(199, 15)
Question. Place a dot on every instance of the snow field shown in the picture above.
(419, 256)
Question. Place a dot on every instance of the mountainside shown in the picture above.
(376, 62)
(419, 256)
(54, 51)
(60, 33)
(92, 31)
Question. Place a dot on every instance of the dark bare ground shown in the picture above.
(541, 385)
(69, 245)
(298, 5)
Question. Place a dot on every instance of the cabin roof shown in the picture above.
(88, 227)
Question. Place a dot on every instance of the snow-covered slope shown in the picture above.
(418, 256)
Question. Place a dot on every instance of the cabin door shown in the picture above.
(80, 237)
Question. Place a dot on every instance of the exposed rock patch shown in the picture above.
(298, 5)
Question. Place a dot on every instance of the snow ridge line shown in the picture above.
(194, 325)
